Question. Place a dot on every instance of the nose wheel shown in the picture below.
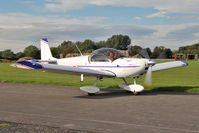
(91, 94)
(136, 93)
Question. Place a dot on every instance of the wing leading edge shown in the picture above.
(168, 65)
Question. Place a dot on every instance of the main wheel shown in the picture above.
(128, 91)
(136, 93)
(91, 94)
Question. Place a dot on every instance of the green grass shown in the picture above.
(178, 79)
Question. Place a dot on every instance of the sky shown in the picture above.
(149, 23)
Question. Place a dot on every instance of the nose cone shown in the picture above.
(151, 62)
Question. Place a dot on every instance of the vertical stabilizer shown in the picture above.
(45, 50)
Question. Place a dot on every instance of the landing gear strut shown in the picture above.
(93, 89)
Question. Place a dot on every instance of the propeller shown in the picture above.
(144, 53)
(148, 78)
(161, 55)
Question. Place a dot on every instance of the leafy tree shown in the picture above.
(118, 42)
(32, 51)
(67, 50)
(133, 50)
(0, 54)
(100, 44)
(168, 53)
(87, 45)
(181, 50)
(192, 49)
(158, 51)
(174, 53)
(19, 55)
(66, 44)
(66, 47)
(55, 52)
(161, 52)
(7, 54)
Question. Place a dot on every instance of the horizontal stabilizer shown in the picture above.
(49, 61)
(28, 64)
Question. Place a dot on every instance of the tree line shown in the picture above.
(120, 42)
(191, 49)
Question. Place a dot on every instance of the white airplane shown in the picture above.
(103, 62)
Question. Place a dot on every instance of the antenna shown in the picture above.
(78, 49)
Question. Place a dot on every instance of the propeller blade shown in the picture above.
(161, 56)
(144, 53)
(148, 78)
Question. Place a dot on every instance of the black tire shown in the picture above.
(136, 93)
(91, 94)
(129, 92)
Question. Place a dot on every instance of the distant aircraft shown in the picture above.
(103, 62)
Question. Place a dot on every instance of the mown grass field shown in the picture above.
(178, 79)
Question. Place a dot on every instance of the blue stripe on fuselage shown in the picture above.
(110, 66)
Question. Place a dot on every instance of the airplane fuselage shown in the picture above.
(121, 67)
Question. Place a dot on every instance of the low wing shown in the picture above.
(76, 70)
(63, 69)
(168, 65)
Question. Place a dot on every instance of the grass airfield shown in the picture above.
(184, 79)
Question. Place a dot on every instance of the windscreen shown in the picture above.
(105, 55)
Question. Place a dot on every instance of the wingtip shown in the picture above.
(186, 63)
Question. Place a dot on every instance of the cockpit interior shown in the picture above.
(105, 55)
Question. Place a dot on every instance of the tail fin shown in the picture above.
(45, 50)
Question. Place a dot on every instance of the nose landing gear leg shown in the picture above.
(135, 88)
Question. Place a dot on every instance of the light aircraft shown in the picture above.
(103, 62)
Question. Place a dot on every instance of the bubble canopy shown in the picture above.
(105, 55)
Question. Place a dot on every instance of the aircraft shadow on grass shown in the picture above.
(116, 92)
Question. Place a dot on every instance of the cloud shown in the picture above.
(185, 33)
(19, 30)
(65, 5)
(182, 18)
(158, 14)
(170, 6)
(172, 36)
(138, 18)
